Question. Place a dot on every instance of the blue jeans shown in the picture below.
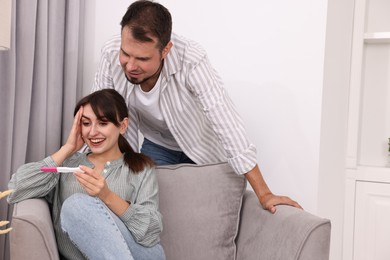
(99, 234)
(163, 156)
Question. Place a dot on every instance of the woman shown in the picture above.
(108, 209)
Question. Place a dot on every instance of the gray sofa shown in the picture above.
(207, 214)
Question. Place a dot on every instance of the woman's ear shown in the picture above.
(124, 124)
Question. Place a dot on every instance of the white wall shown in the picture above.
(335, 119)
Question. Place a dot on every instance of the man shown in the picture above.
(176, 99)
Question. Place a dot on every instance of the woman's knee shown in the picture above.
(75, 207)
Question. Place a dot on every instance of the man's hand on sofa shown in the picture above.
(267, 200)
(270, 201)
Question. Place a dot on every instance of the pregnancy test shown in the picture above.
(60, 169)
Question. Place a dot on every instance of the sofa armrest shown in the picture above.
(32, 236)
(290, 233)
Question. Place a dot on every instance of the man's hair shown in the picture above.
(146, 18)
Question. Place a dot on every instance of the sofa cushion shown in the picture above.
(200, 205)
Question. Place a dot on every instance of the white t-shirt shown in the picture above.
(152, 123)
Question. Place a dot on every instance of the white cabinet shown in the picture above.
(367, 214)
(372, 225)
(367, 197)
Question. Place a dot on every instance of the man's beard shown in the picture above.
(139, 82)
(136, 81)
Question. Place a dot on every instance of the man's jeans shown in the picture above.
(163, 156)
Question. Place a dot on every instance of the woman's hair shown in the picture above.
(146, 18)
(109, 105)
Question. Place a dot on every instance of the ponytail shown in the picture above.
(135, 161)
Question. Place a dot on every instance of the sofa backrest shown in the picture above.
(200, 205)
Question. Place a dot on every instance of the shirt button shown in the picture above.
(108, 163)
(105, 171)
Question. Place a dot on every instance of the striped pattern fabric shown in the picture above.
(142, 218)
(195, 105)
